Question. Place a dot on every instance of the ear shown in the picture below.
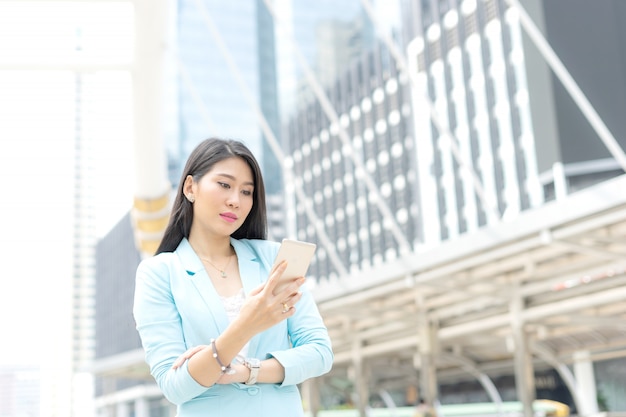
(188, 185)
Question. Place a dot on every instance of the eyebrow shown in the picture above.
(234, 179)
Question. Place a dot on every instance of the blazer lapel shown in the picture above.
(202, 282)
(252, 276)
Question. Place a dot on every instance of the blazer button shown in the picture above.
(253, 390)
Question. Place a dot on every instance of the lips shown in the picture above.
(229, 217)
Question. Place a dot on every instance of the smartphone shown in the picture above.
(298, 255)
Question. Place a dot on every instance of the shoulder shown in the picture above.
(259, 244)
(263, 250)
(157, 261)
(157, 266)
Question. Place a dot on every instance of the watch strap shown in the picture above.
(254, 366)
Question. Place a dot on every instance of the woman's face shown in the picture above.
(223, 197)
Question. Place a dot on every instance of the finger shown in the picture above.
(275, 267)
(195, 350)
(188, 354)
(290, 303)
(275, 275)
(295, 298)
(290, 312)
(179, 361)
(288, 290)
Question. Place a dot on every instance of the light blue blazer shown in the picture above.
(176, 308)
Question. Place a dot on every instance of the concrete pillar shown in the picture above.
(142, 409)
(524, 372)
(311, 395)
(360, 378)
(122, 409)
(361, 389)
(585, 384)
(152, 188)
(427, 351)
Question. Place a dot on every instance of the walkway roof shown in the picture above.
(561, 266)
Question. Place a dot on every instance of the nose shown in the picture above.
(233, 200)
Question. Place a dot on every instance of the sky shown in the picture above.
(37, 161)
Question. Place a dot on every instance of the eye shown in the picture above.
(247, 193)
(223, 185)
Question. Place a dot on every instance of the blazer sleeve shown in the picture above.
(159, 325)
(311, 354)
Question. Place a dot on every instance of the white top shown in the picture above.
(233, 305)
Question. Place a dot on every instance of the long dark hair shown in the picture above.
(200, 161)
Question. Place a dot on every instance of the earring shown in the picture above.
(191, 198)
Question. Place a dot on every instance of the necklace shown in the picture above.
(222, 270)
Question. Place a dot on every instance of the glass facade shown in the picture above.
(211, 101)
(374, 113)
(329, 35)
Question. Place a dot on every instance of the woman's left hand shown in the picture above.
(188, 354)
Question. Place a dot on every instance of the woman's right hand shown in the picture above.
(263, 309)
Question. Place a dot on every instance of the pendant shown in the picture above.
(223, 273)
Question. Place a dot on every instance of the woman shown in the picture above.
(218, 341)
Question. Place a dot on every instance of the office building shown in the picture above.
(83, 274)
(468, 63)
(513, 129)
(328, 35)
(20, 391)
(372, 137)
(471, 152)
(202, 109)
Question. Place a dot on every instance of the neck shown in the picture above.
(212, 248)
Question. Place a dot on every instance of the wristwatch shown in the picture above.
(253, 365)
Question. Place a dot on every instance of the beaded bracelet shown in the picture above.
(225, 369)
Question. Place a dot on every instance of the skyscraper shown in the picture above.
(372, 138)
(215, 98)
(329, 36)
(20, 391)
